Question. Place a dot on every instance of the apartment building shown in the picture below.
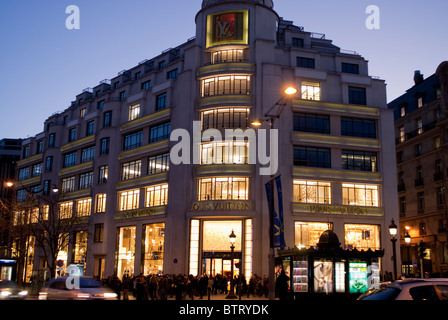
(420, 131)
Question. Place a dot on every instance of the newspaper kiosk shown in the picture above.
(329, 270)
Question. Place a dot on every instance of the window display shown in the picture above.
(154, 243)
(362, 237)
(126, 251)
(307, 234)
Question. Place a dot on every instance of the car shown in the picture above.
(63, 288)
(410, 289)
(9, 290)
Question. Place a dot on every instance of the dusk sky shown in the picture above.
(44, 65)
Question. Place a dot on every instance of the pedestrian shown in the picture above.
(126, 287)
(281, 285)
(210, 286)
(139, 287)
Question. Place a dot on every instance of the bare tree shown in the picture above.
(42, 219)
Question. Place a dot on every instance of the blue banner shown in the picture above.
(279, 227)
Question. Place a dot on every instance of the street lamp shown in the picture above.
(270, 117)
(407, 240)
(393, 230)
(232, 238)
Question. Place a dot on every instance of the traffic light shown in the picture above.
(421, 249)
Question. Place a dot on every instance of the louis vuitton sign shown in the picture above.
(231, 205)
(227, 28)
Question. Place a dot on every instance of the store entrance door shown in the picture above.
(220, 263)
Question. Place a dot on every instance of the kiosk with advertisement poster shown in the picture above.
(329, 270)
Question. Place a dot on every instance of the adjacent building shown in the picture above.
(421, 138)
(9, 154)
(108, 154)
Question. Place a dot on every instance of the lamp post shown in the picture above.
(270, 117)
(232, 238)
(393, 230)
(407, 240)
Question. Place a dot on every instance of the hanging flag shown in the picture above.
(268, 196)
(279, 227)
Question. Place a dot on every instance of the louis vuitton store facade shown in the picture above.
(151, 213)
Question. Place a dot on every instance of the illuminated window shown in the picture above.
(100, 205)
(83, 207)
(129, 200)
(223, 188)
(125, 251)
(154, 244)
(362, 237)
(45, 211)
(66, 210)
(224, 118)
(216, 235)
(419, 126)
(311, 91)
(159, 163)
(248, 248)
(312, 192)
(80, 252)
(194, 247)
(360, 195)
(235, 55)
(157, 195)
(230, 84)
(134, 112)
(227, 152)
(68, 184)
(131, 170)
(307, 234)
(402, 134)
(420, 102)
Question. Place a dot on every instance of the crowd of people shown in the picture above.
(183, 287)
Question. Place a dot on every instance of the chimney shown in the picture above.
(418, 77)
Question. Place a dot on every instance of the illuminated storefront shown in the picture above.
(210, 251)
(80, 248)
(125, 251)
(153, 248)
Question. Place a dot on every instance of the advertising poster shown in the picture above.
(323, 277)
(358, 277)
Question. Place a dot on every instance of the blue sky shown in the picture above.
(44, 65)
